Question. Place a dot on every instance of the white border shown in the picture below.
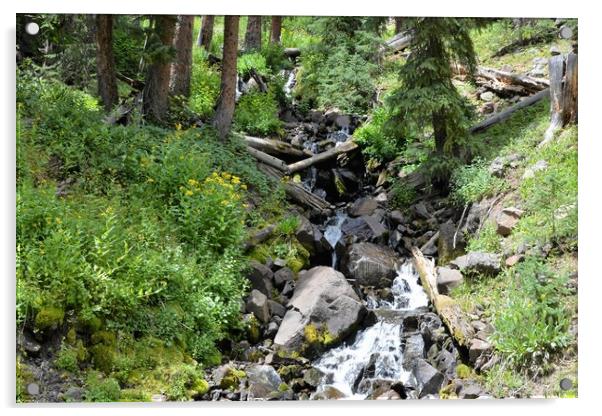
(590, 139)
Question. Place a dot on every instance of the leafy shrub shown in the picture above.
(257, 113)
(275, 60)
(252, 61)
(487, 240)
(99, 389)
(402, 195)
(128, 46)
(533, 321)
(66, 359)
(376, 141)
(471, 183)
(204, 85)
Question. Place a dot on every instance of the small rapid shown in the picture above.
(376, 352)
(333, 233)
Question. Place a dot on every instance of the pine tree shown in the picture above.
(105, 61)
(427, 101)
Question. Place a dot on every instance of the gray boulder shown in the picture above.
(507, 219)
(370, 264)
(477, 348)
(257, 304)
(478, 262)
(428, 379)
(261, 277)
(263, 382)
(310, 237)
(365, 228)
(276, 309)
(282, 276)
(325, 299)
(448, 279)
(363, 206)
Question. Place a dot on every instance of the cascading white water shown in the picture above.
(379, 345)
(333, 233)
(310, 181)
(290, 83)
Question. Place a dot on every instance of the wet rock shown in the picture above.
(350, 180)
(370, 264)
(478, 262)
(428, 379)
(413, 349)
(342, 121)
(365, 228)
(282, 276)
(313, 377)
(276, 309)
(447, 279)
(477, 348)
(263, 382)
(363, 206)
(261, 277)
(309, 237)
(445, 362)
(257, 304)
(324, 298)
(329, 393)
(507, 219)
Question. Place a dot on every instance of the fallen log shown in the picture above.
(276, 147)
(504, 115)
(541, 37)
(259, 80)
(529, 84)
(320, 157)
(447, 308)
(272, 161)
(297, 192)
(399, 42)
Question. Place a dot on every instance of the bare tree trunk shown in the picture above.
(253, 34)
(105, 61)
(156, 89)
(570, 90)
(206, 33)
(398, 24)
(182, 66)
(226, 101)
(276, 29)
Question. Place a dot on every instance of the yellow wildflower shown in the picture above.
(189, 193)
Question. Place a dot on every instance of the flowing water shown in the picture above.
(333, 233)
(376, 353)
(290, 84)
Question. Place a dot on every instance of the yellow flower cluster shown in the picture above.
(224, 185)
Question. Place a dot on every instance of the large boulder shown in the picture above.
(257, 304)
(263, 382)
(478, 262)
(310, 237)
(428, 379)
(365, 228)
(370, 264)
(447, 279)
(363, 206)
(447, 248)
(261, 277)
(325, 300)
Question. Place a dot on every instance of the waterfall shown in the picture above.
(290, 83)
(333, 233)
(377, 352)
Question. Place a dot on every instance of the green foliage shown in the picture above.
(275, 60)
(252, 61)
(204, 85)
(100, 389)
(427, 101)
(471, 183)
(257, 113)
(402, 195)
(66, 359)
(532, 323)
(186, 382)
(288, 225)
(128, 45)
(377, 142)
(487, 240)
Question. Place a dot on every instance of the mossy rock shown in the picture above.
(201, 386)
(91, 325)
(448, 392)
(103, 357)
(49, 318)
(104, 338)
(232, 379)
(318, 338)
(463, 371)
(135, 395)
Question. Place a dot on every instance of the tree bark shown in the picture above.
(448, 309)
(268, 160)
(227, 99)
(253, 34)
(206, 33)
(105, 61)
(398, 24)
(182, 67)
(156, 88)
(570, 90)
(276, 147)
(276, 29)
(506, 80)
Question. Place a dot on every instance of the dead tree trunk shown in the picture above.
(398, 24)
(182, 66)
(253, 34)
(276, 29)
(105, 61)
(227, 99)
(448, 309)
(276, 147)
(206, 33)
(563, 94)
